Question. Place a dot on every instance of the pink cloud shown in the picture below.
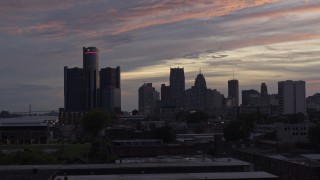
(174, 11)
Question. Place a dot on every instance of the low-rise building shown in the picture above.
(25, 130)
(286, 165)
(290, 133)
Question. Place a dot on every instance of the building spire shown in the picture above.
(233, 73)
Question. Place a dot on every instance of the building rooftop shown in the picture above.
(184, 176)
(297, 158)
(197, 160)
(160, 161)
(27, 121)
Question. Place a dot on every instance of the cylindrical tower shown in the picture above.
(91, 77)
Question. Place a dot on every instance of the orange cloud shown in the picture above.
(51, 30)
(36, 5)
(273, 39)
(179, 10)
(296, 10)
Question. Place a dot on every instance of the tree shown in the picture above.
(242, 127)
(197, 117)
(314, 134)
(236, 130)
(164, 133)
(271, 135)
(135, 112)
(181, 116)
(94, 121)
(249, 119)
(99, 151)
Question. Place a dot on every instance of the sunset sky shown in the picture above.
(262, 40)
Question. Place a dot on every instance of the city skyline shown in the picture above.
(262, 40)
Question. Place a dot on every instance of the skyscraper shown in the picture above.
(292, 97)
(165, 92)
(233, 92)
(110, 90)
(264, 90)
(73, 89)
(196, 97)
(177, 86)
(201, 92)
(264, 97)
(148, 98)
(91, 77)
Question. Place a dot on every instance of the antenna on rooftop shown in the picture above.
(233, 73)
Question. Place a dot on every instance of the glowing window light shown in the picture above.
(90, 53)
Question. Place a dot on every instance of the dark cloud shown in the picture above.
(193, 55)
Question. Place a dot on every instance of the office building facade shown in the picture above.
(196, 96)
(110, 90)
(73, 89)
(292, 97)
(264, 99)
(148, 98)
(233, 92)
(177, 87)
(250, 97)
(91, 77)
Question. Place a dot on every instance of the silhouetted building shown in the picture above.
(264, 90)
(273, 99)
(250, 97)
(177, 87)
(313, 102)
(165, 92)
(201, 92)
(233, 92)
(110, 89)
(70, 117)
(148, 98)
(264, 97)
(73, 89)
(214, 99)
(167, 104)
(292, 97)
(91, 77)
(24, 130)
(196, 97)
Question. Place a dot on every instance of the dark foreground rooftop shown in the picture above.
(179, 176)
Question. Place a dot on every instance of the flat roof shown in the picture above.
(26, 121)
(138, 140)
(29, 118)
(160, 161)
(25, 124)
(174, 176)
(312, 160)
(311, 156)
(278, 156)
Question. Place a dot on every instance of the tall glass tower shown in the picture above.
(73, 89)
(91, 77)
(110, 90)
(233, 92)
(177, 86)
